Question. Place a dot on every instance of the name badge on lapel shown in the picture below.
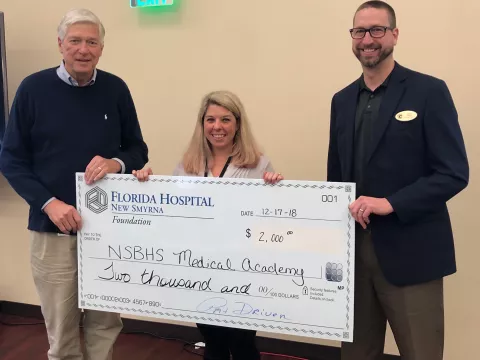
(407, 115)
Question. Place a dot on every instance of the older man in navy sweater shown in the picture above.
(69, 119)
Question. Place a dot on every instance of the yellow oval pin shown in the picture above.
(406, 115)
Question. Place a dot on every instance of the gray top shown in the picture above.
(264, 165)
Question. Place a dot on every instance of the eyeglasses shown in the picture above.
(375, 32)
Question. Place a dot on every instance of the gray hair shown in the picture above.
(76, 16)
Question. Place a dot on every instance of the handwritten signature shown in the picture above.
(219, 305)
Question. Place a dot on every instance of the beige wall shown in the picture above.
(285, 59)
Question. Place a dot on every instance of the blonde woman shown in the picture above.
(222, 145)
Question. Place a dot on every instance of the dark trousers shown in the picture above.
(220, 342)
(415, 313)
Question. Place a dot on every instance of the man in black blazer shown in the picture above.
(395, 133)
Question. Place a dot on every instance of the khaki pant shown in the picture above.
(415, 313)
(54, 268)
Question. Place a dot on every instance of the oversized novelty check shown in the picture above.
(228, 252)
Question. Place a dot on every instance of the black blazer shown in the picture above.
(418, 165)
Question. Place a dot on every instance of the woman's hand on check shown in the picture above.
(272, 177)
(142, 175)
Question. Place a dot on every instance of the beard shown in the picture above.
(371, 62)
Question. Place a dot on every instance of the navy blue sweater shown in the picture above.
(56, 129)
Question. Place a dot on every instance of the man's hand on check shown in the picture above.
(99, 167)
(364, 206)
(142, 175)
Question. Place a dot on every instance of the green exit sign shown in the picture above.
(145, 3)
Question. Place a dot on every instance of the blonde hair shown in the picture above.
(76, 16)
(245, 152)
